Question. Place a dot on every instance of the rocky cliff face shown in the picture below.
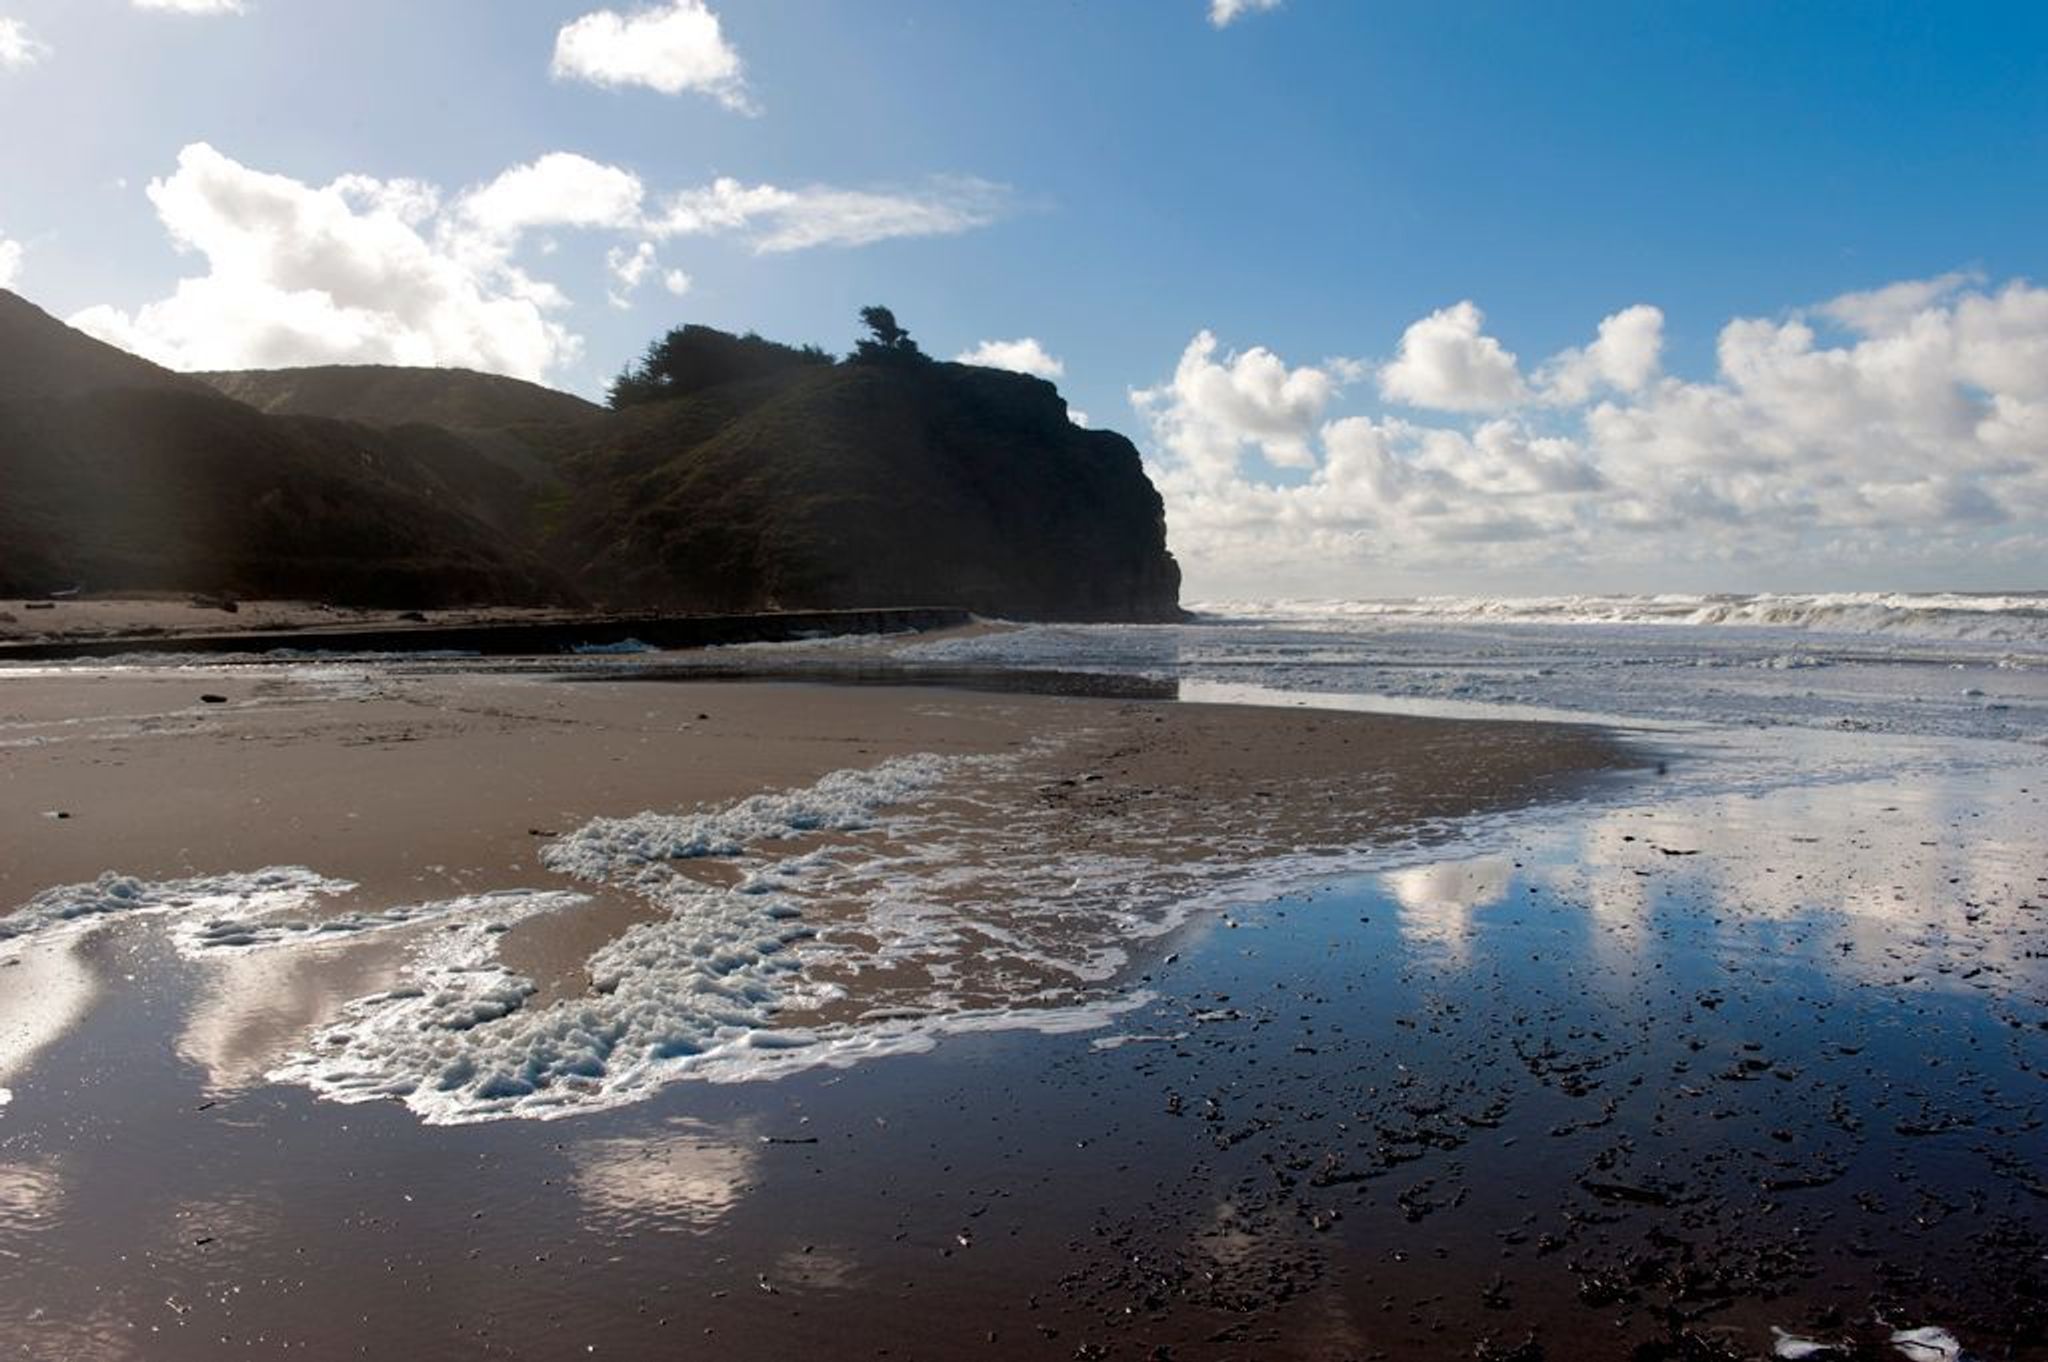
(860, 484)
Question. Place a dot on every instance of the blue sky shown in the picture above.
(1303, 183)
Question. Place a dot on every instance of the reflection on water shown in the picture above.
(1934, 883)
(253, 1009)
(1438, 902)
(31, 1193)
(44, 990)
(689, 1177)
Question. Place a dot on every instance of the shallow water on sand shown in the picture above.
(1658, 1074)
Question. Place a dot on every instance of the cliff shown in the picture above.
(753, 477)
(869, 484)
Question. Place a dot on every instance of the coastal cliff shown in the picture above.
(744, 476)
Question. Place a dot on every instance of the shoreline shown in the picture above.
(125, 628)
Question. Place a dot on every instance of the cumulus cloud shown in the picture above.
(560, 189)
(1447, 362)
(367, 270)
(19, 48)
(1223, 13)
(777, 219)
(356, 271)
(194, 6)
(10, 262)
(1623, 358)
(1907, 424)
(1023, 356)
(670, 48)
(1214, 409)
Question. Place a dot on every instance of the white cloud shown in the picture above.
(1921, 439)
(560, 189)
(1023, 356)
(777, 219)
(1223, 13)
(194, 6)
(363, 270)
(20, 49)
(10, 262)
(356, 271)
(1890, 308)
(1623, 358)
(669, 47)
(1212, 410)
(628, 269)
(1447, 363)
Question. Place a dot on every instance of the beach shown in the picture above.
(780, 1000)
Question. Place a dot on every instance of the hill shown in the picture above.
(388, 395)
(42, 357)
(737, 475)
(118, 475)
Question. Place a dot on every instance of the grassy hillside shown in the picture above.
(386, 395)
(163, 489)
(42, 357)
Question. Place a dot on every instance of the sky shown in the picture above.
(1394, 298)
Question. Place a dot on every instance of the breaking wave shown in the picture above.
(2018, 618)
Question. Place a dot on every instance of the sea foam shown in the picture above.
(276, 889)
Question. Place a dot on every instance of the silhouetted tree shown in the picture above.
(691, 359)
(889, 343)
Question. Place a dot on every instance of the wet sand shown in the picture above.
(1645, 1080)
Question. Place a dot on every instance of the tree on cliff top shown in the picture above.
(690, 359)
(889, 343)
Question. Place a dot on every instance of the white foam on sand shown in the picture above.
(276, 889)
(691, 993)
(613, 848)
(253, 928)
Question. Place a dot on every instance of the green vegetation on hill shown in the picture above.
(695, 359)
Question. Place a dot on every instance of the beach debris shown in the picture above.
(1793, 1348)
(56, 815)
(39, 605)
(212, 699)
(1528, 1350)
(1929, 1343)
(412, 615)
(1629, 1192)
(225, 604)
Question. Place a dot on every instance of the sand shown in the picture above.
(1631, 1079)
(146, 617)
